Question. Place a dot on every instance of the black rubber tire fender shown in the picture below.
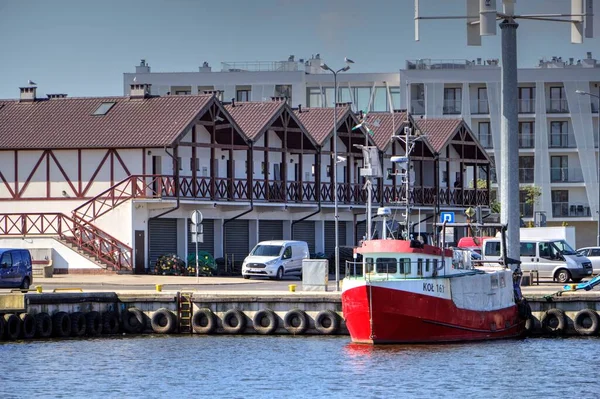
(579, 319)
(110, 323)
(327, 322)
(561, 321)
(163, 321)
(12, 326)
(43, 325)
(295, 321)
(240, 321)
(133, 321)
(27, 325)
(2, 327)
(78, 324)
(265, 315)
(529, 326)
(61, 324)
(204, 321)
(93, 323)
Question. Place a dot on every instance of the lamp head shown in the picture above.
(344, 69)
(325, 67)
(580, 92)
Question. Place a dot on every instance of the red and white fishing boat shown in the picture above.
(404, 291)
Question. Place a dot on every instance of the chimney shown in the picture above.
(27, 94)
(299, 108)
(205, 67)
(56, 95)
(233, 102)
(143, 67)
(347, 104)
(140, 90)
(216, 93)
(278, 99)
(589, 55)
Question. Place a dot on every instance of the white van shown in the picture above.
(552, 258)
(275, 259)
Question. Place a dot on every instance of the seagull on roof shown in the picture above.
(348, 60)
(31, 82)
(134, 79)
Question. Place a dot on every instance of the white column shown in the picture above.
(218, 237)
(542, 157)
(319, 236)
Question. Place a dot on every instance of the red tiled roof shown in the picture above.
(254, 117)
(438, 131)
(70, 123)
(389, 125)
(318, 121)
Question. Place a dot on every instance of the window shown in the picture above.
(395, 94)
(328, 170)
(405, 266)
(182, 92)
(427, 265)
(527, 249)
(559, 134)
(493, 178)
(526, 135)
(525, 208)
(482, 101)
(558, 102)
(435, 264)
(369, 265)
(287, 254)
(104, 108)
(362, 98)
(526, 100)
(179, 163)
(560, 203)
(387, 265)
(492, 248)
(380, 100)
(526, 168)
(419, 267)
(559, 169)
(194, 164)
(6, 261)
(485, 136)
(315, 96)
(452, 100)
(242, 95)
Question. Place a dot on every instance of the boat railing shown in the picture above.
(400, 269)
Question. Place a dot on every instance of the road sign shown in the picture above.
(447, 217)
(197, 228)
(198, 237)
(196, 217)
(470, 212)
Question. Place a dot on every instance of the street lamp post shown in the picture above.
(585, 93)
(335, 162)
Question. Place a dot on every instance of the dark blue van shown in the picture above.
(15, 268)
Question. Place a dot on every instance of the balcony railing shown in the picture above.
(526, 175)
(561, 140)
(526, 105)
(566, 175)
(565, 209)
(480, 107)
(452, 107)
(486, 141)
(557, 106)
(262, 66)
(526, 140)
(417, 107)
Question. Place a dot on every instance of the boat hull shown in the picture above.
(406, 317)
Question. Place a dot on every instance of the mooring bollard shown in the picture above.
(39, 289)
(292, 287)
(158, 287)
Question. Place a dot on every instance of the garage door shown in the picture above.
(305, 231)
(209, 238)
(162, 238)
(270, 230)
(236, 239)
(330, 236)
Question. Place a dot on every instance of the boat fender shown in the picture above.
(133, 321)
(580, 318)
(204, 321)
(265, 321)
(43, 325)
(524, 309)
(234, 321)
(110, 323)
(13, 326)
(93, 323)
(61, 324)
(27, 325)
(295, 321)
(2, 328)
(554, 321)
(327, 322)
(78, 324)
(163, 321)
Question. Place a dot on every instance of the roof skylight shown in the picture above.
(104, 108)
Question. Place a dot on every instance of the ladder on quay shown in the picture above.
(184, 312)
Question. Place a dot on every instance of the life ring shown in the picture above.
(295, 321)
(43, 325)
(12, 326)
(581, 316)
(93, 323)
(554, 321)
(234, 321)
(27, 325)
(133, 321)
(327, 322)
(110, 323)
(163, 321)
(78, 324)
(265, 321)
(61, 324)
(204, 321)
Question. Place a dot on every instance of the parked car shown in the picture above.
(593, 254)
(15, 268)
(275, 259)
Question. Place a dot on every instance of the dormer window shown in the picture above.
(103, 108)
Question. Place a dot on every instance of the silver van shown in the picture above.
(553, 259)
(275, 259)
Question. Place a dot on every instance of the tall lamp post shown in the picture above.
(585, 93)
(335, 162)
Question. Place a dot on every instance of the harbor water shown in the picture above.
(296, 367)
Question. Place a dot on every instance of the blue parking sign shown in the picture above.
(447, 217)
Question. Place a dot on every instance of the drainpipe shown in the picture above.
(176, 163)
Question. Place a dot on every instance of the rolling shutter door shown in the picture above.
(162, 238)
(305, 231)
(209, 238)
(270, 230)
(236, 239)
(330, 236)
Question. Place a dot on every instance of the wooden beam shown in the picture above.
(207, 145)
(224, 126)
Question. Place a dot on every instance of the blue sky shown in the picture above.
(83, 47)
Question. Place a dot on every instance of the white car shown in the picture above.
(275, 259)
(593, 254)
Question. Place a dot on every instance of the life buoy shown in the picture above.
(93, 323)
(327, 322)
(133, 321)
(61, 324)
(265, 321)
(12, 326)
(110, 323)
(78, 324)
(204, 321)
(579, 322)
(163, 321)
(27, 325)
(234, 321)
(43, 325)
(295, 321)
(554, 321)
